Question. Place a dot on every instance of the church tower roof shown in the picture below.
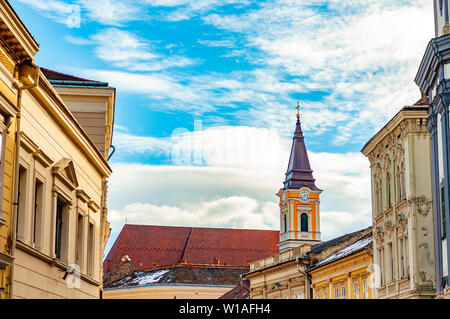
(299, 172)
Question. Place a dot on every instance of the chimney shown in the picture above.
(216, 261)
(183, 261)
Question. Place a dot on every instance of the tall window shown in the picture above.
(38, 211)
(388, 191)
(391, 262)
(285, 223)
(377, 199)
(91, 250)
(304, 222)
(22, 209)
(336, 293)
(356, 290)
(365, 290)
(61, 229)
(79, 240)
(402, 182)
(401, 258)
(343, 293)
(381, 258)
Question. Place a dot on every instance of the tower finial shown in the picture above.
(298, 109)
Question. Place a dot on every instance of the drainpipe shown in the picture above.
(29, 75)
(446, 27)
(308, 278)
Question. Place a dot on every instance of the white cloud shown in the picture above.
(236, 191)
(127, 51)
(360, 53)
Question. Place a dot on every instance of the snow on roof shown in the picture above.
(353, 248)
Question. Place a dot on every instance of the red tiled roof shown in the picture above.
(53, 75)
(152, 246)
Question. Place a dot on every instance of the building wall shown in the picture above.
(280, 276)
(168, 292)
(7, 146)
(347, 278)
(50, 157)
(403, 229)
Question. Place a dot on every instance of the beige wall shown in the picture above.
(50, 153)
(403, 231)
(167, 292)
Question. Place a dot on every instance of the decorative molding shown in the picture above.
(423, 206)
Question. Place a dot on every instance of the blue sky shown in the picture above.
(236, 69)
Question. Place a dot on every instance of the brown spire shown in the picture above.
(299, 171)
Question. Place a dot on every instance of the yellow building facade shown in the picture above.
(53, 226)
(346, 274)
(16, 47)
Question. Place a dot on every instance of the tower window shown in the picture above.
(304, 222)
(285, 223)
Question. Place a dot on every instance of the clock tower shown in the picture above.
(299, 198)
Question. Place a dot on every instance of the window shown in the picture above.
(405, 253)
(37, 212)
(79, 241)
(343, 293)
(22, 209)
(318, 294)
(402, 183)
(398, 196)
(401, 257)
(304, 222)
(365, 290)
(299, 296)
(325, 295)
(336, 293)
(355, 290)
(61, 230)
(391, 262)
(381, 258)
(388, 191)
(91, 250)
(285, 223)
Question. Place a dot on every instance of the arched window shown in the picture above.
(304, 222)
(398, 186)
(388, 191)
(402, 182)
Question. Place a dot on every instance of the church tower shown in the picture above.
(299, 198)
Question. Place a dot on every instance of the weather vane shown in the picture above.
(298, 109)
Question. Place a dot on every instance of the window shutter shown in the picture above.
(443, 219)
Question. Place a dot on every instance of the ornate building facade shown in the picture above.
(433, 79)
(402, 217)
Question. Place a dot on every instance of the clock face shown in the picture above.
(304, 196)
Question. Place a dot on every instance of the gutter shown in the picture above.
(78, 83)
(30, 72)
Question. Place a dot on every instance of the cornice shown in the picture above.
(17, 27)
